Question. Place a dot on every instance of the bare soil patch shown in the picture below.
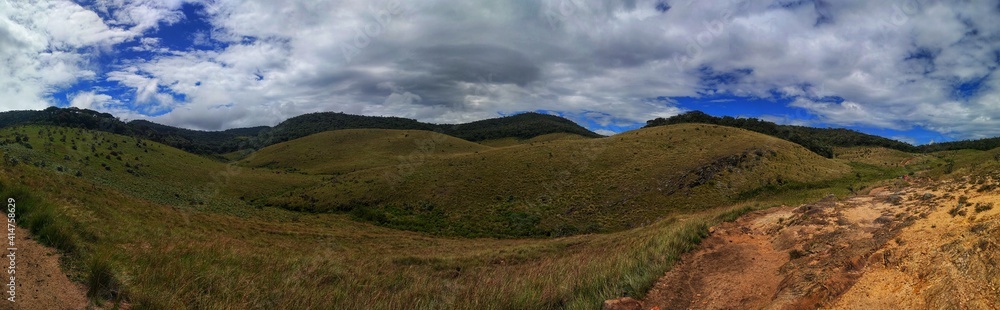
(41, 282)
(893, 248)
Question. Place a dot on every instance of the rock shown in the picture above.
(624, 303)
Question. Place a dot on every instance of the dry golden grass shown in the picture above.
(159, 256)
(349, 150)
(565, 187)
(205, 247)
(539, 139)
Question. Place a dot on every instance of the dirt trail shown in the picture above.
(909, 248)
(41, 284)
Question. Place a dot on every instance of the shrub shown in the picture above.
(795, 253)
(980, 207)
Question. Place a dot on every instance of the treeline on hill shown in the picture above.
(69, 117)
(312, 123)
(523, 126)
(818, 140)
(981, 144)
(194, 141)
(199, 142)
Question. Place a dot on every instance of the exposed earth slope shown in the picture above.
(908, 245)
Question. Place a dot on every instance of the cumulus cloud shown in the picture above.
(887, 64)
(91, 100)
(605, 132)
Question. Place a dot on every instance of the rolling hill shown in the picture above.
(567, 187)
(520, 126)
(197, 141)
(153, 226)
(819, 140)
(143, 168)
(349, 150)
(503, 142)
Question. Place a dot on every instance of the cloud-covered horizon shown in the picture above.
(908, 69)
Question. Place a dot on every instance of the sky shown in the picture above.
(918, 71)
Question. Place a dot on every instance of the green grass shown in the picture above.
(188, 232)
(146, 169)
(966, 162)
(863, 176)
(161, 256)
(349, 150)
(565, 187)
(539, 139)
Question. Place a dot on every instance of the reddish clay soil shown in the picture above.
(911, 247)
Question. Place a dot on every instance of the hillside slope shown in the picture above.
(819, 140)
(569, 186)
(503, 142)
(198, 141)
(910, 245)
(183, 231)
(348, 150)
(520, 126)
(143, 168)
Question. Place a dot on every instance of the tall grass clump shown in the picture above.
(40, 218)
(101, 281)
(58, 231)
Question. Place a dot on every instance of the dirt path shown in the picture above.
(41, 284)
(893, 248)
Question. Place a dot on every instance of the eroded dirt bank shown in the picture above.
(925, 245)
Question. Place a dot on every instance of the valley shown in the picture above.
(403, 218)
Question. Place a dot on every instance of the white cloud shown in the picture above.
(904, 139)
(605, 132)
(91, 100)
(893, 64)
(49, 45)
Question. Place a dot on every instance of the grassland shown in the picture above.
(350, 150)
(160, 256)
(187, 232)
(539, 139)
(566, 187)
(145, 169)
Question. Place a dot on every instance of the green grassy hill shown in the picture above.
(158, 227)
(197, 141)
(349, 150)
(877, 156)
(567, 187)
(521, 126)
(151, 255)
(231, 141)
(819, 140)
(144, 168)
(504, 142)
(966, 162)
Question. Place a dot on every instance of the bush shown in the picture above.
(795, 253)
(980, 207)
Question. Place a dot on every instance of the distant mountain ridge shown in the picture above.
(521, 126)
